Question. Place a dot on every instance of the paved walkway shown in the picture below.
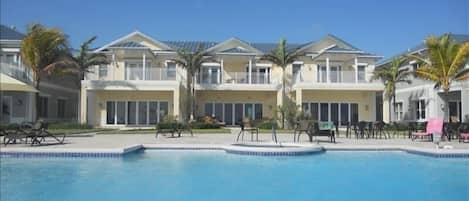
(112, 141)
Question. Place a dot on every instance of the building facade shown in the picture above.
(419, 100)
(58, 94)
(142, 86)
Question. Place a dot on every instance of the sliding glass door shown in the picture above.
(135, 112)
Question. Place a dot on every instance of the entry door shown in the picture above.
(455, 111)
(6, 109)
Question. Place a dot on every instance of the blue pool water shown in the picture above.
(215, 175)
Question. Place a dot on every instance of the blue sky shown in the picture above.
(381, 27)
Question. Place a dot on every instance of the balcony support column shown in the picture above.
(328, 79)
(83, 104)
(144, 66)
(356, 70)
(250, 70)
(222, 71)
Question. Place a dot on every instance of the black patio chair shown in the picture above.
(247, 127)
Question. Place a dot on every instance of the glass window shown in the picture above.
(153, 112)
(219, 111)
(208, 109)
(142, 112)
(164, 111)
(43, 106)
(228, 114)
(344, 113)
(258, 111)
(334, 74)
(249, 111)
(361, 73)
(60, 108)
(354, 112)
(324, 108)
(110, 112)
(171, 67)
(398, 111)
(132, 112)
(120, 112)
(322, 74)
(334, 112)
(420, 109)
(238, 113)
(102, 71)
(314, 111)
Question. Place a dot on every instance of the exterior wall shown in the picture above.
(97, 102)
(20, 102)
(268, 99)
(54, 92)
(365, 100)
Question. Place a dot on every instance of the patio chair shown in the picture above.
(379, 130)
(301, 126)
(39, 132)
(167, 128)
(451, 130)
(184, 127)
(362, 129)
(463, 132)
(434, 125)
(247, 127)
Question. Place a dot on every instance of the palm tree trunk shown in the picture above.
(36, 85)
(446, 106)
(283, 96)
(394, 101)
(389, 108)
(189, 96)
(193, 99)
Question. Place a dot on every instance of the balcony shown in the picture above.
(235, 80)
(340, 80)
(151, 73)
(18, 72)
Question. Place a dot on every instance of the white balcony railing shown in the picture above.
(151, 73)
(18, 72)
(233, 78)
(347, 77)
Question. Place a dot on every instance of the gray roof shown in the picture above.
(337, 48)
(130, 44)
(460, 38)
(7, 33)
(191, 46)
(236, 50)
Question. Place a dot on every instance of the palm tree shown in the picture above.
(192, 62)
(282, 58)
(445, 63)
(391, 75)
(80, 64)
(41, 48)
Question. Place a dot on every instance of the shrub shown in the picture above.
(202, 125)
(267, 125)
(168, 125)
(68, 125)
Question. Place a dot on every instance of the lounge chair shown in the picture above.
(434, 125)
(12, 134)
(167, 128)
(39, 132)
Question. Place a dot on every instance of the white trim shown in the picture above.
(211, 64)
(130, 35)
(230, 40)
(263, 65)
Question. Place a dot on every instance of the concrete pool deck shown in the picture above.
(123, 143)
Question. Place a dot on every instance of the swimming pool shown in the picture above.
(215, 175)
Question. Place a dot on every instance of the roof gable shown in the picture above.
(7, 33)
(234, 45)
(136, 39)
(329, 42)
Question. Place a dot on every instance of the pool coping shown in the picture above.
(119, 152)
